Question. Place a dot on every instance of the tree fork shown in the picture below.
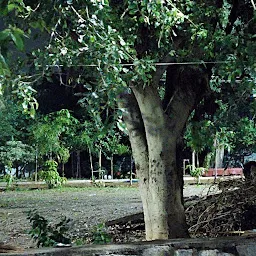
(154, 130)
(166, 209)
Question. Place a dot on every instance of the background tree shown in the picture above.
(15, 154)
(82, 139)
(49, 136)
(112, 145)
(230, 119)
(16, 150)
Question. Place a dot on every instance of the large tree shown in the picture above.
(162, 57)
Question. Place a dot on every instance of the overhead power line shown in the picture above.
(155, 64)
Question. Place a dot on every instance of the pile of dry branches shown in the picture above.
(230, 212)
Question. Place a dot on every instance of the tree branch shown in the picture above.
(232, 17)
(161, 69)
(253, 4)
(135, 126)
(185, 88)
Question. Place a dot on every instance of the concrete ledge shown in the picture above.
(232, 246)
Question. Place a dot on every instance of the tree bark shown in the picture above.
(112, 166)
(63, 169)
(220, 150)
(17, 172)
(100, 165)
(134, 123)
(73, 164)
(78, 164)
(91, 163)
(165, 209)
(154, 129)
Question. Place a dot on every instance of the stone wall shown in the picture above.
(232, 246)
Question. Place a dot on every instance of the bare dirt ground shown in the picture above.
(86, 207)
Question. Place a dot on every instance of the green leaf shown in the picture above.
(4, 34)
(17, 39)
(122, 42)
(92, 39)
(18, 31)
(4, 69)
(11, 7)
(2, 61)
(38, 24)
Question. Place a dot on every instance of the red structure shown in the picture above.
(223, 172)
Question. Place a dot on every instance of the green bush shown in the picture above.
(100, 235)
(51, 176)
(8, 178)
(45, 234)
(197, 172)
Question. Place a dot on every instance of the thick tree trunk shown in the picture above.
(161, 187)
(154, 129)
(154, 151)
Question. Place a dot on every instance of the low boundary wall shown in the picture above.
(231, 246)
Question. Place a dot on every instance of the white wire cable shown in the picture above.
(156, 64)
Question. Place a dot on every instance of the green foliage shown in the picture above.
(7, 117)
(245, 136)
(229, 127)
(14, 125)
(50, 132)
(199, 135)
(46, 234)
(79, 241)
(209, 159)
(112, 145)
(40, 175)
(196, 172)
(16, 7)
(146, 33)
(51, 176)
(25, 95)
(8, 178)
(15, 34)
(87, 135)
(10, 62)
(98, 184)
(122, 149)
(12, 34)
(51, 165)
(100, 234)
(16, 153)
